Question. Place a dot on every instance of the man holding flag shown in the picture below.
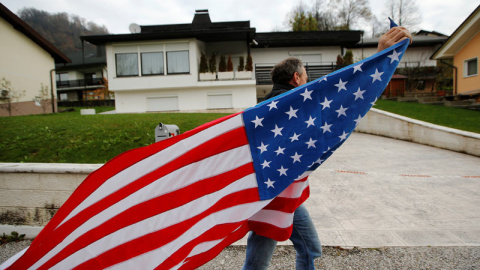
(177, 203)
(287, 75)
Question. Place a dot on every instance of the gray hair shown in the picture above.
(283, 72)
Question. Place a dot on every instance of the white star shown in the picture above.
(311, 143)
(294, 137)
(376, 76)
(341, 111)
(328, 149)
(277, 131)
(292, 113)
(343, 136)
(341, 85)
(258, 121)
(373, 103)
(270, 183)
(296, 157)
(310, 122)
(323, 79)
(279, 151)
(359, 93)
(326, 127)
(283, 171)
(357, 121)
(326, 103)
(306, 95)
(262, 147)
(357, 68)
(394, 56)
(266, 164)
(272, 105)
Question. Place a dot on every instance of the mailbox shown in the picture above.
(163, 131)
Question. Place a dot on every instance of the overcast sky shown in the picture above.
(443, 16)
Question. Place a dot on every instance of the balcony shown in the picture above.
(80, 84)
(314, 71)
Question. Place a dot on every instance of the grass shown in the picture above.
(457, 118)
(73, 138)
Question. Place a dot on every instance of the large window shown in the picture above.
(471, 67)
(127, 64)
(177, 62)
(152, 63)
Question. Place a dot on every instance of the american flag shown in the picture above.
(177, 203)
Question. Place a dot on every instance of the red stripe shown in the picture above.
(151, 208)
(288, 205)
(162, 237)
(224, 142)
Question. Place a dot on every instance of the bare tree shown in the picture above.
(404, 13)
(351, 12)
(323, 13)
(8, 96)
(43, 98)
(378, 27)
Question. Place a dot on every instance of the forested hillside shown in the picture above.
(62, 29)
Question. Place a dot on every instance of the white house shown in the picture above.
(28, 64)
(156, 68)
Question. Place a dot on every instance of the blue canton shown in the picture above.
(298, 130)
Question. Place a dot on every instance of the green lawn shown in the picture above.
(462, 119)
(73, 138)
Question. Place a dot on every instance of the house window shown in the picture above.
(177, 62)
(471, 67)
(152, 63)
(62, 79)
(127, 64)
(219, 101)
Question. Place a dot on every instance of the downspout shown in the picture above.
(455, 69)
(51, 90)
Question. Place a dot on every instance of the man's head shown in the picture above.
(289, 71)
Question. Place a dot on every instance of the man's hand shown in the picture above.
(394, 35)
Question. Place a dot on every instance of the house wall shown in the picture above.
(414, 56)
(317, 55)
(243, 95)
(26, 65)
(469, 51)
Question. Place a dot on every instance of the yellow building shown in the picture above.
(463, 46)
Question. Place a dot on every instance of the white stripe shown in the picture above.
(155, 161)
(155, 223)
(295, 190)
(176, 180)
(152, 259)
(277, 218)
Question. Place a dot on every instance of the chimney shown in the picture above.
(201, 19)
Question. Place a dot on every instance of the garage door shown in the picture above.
(158, 104)
(220, 101)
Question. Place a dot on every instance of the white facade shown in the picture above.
(308, 55)
(176, 92)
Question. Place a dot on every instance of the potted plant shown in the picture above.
(245, 72)
(206, 73)
(223, 72)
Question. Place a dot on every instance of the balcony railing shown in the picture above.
(96, 82)
(314, 71)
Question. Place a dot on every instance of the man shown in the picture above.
(286, 75)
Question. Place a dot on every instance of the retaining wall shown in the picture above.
(31, 193)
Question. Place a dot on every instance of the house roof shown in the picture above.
(460, 37)
(28, 31)
(417, 41)
(79, 61)
(307, 38)
(201, 28)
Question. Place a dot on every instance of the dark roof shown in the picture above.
(28, 31)
(307, 38)
(417, 41)
(201, 28)
(78, 61)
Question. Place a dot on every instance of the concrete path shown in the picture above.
(375, 192)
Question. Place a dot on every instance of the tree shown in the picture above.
(241, 65)
(351, 12)
(212, 63)
(203, 64)
(404, 13)
(229, 63)
(9, 96)
(300, 19)
(249, 66)
(43, 98)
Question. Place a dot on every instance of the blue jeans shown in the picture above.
(304, 238)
